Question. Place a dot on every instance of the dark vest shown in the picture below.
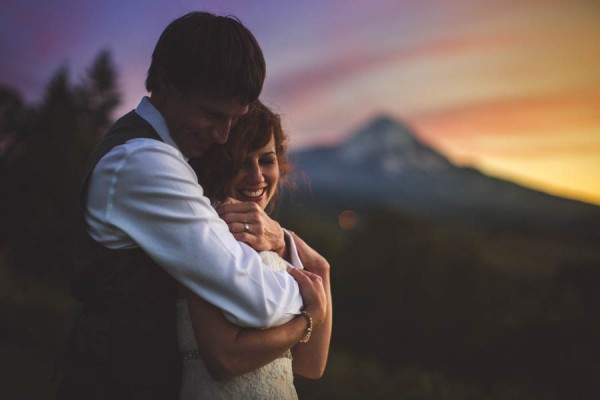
(125, 337)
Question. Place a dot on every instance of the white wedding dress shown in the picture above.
(272, 381)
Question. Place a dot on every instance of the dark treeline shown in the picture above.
(422, 310)
(430, 311)
(44, 149)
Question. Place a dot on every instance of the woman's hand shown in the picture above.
(311, 260)
(310, 358)
(313, 294)
(249, 223)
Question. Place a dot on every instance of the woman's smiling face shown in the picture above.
(257, 179)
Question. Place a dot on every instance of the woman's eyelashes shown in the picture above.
(268, 160)
(264, 160)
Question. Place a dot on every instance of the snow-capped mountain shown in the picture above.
(392, 147)
(384, 164)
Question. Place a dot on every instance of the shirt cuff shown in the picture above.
(294, 256)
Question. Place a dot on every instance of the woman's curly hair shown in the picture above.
(217, 168)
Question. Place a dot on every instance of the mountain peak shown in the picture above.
(382, 122)
(385, 129)
(391, 144)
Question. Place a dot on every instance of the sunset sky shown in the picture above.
(510, 87)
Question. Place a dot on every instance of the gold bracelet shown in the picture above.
(309, 330)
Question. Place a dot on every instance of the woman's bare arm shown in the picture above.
(310, 358)
(228, 350)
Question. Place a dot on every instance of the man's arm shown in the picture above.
(229, 351)
(144, 194)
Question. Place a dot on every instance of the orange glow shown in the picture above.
(549, 143)
(347, 219)
(531, 115)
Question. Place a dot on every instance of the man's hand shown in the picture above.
(249, 223)
(313, 294)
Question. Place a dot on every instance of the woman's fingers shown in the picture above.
(249, 223)
(238, 208)
(313, 294)
(242, 227)
(305, 279)
(231, 217)
(310, 275)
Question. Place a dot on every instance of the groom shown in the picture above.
(146, 226)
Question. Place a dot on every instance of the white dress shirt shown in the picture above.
(144, 194)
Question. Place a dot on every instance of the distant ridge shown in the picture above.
(383, 164)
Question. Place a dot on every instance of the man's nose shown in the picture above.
(221, 130)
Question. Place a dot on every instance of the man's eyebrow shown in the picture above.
(220, 114)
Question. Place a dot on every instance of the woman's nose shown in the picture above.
(255, 172)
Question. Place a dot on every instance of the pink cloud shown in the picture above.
(539, 115)
(352, 62)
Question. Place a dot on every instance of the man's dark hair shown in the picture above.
(214, 55)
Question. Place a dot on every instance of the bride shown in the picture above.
(224, 361)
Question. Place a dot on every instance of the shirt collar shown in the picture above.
(147, 111)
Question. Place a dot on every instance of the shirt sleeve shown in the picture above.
(150, 195)
(295, 260)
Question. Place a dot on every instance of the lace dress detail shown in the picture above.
(272, 381)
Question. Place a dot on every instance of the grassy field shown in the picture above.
(34, 322)
(444, 312)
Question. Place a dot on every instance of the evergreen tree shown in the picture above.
(11, 112)
(42, 184)
(98, 95)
